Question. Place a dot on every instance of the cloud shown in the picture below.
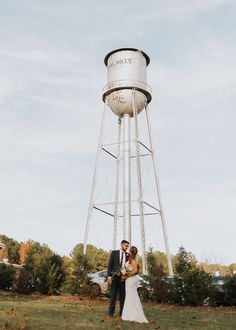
(182, 9)
(52, 74)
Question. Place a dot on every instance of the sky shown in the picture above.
(51, 79)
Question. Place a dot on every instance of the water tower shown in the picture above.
(127, 95)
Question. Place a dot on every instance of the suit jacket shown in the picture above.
(114, 262)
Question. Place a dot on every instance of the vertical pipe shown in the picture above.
(91, 202)
(158, 191)
(129, 183)
(126, 177)
(140, 192)
(124, 181)
(117, 184)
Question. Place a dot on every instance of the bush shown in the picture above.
(158, 288)
(43, 271)
(192, 288)
(82, 282)
(230, 290)
(6, 276)
(77, 280)
(192, 284)
(23, 282)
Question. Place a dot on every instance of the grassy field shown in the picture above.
(37, 312)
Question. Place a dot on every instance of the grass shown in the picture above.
(66, 312)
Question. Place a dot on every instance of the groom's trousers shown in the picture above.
(117, 286)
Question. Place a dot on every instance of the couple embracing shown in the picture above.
(122, 268)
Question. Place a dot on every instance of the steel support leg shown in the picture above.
(118, 159)
(140, 188)
(158, 191)
(91, 203)
(127, 178)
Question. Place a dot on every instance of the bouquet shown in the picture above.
(127, 268)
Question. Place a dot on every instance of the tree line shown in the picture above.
(48, 273)
(191, 284)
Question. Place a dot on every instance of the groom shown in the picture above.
(116, 262)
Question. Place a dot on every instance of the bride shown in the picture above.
(132, 310)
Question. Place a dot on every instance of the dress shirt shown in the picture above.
(123, 260)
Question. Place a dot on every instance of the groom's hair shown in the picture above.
(124, 241)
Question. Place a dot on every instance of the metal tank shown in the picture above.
(126, 77)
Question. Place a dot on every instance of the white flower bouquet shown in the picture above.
(127, 268)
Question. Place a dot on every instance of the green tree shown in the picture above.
(192, 284)
(97, 258)
(12, 249)
(6, 276)
(44, 269)
(83, 265)
(160, 289)
(230, 290)
(184, 261)
(50, 274)
(23, 282)
(70, 284)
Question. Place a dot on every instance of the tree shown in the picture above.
(43, 268)
(98, 258)
(24, 248)
(70, 284)
(230, 290)
(6, 276)
(159, 289)
(12, 249)
(51, 274)
(83, 265)
(232, 268)
(22, 282)
(212, 268)
(185, 261)
(192, 284)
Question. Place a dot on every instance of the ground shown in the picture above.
(67, 312)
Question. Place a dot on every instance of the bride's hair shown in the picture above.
(133, 252)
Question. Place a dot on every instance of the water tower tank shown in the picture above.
(126, 77)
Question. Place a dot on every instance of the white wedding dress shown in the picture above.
(132, 310)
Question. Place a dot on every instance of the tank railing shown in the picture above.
(127, 83)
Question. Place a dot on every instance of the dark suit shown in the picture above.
(117, 284)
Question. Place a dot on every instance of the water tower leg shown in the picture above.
(118, 159)
(91, 202)
(127, 179)
(140, 192)
(158, 191)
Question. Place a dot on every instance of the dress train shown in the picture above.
(132, 310)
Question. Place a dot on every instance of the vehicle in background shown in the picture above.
(218, 281)
(143, 287)
(99, 282)
(219, 291)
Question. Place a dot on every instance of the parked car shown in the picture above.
(143, 287)
(219, 293)
(218, 282)
(99, 280)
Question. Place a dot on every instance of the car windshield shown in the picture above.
(103, 274)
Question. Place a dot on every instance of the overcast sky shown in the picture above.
(51, 79)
